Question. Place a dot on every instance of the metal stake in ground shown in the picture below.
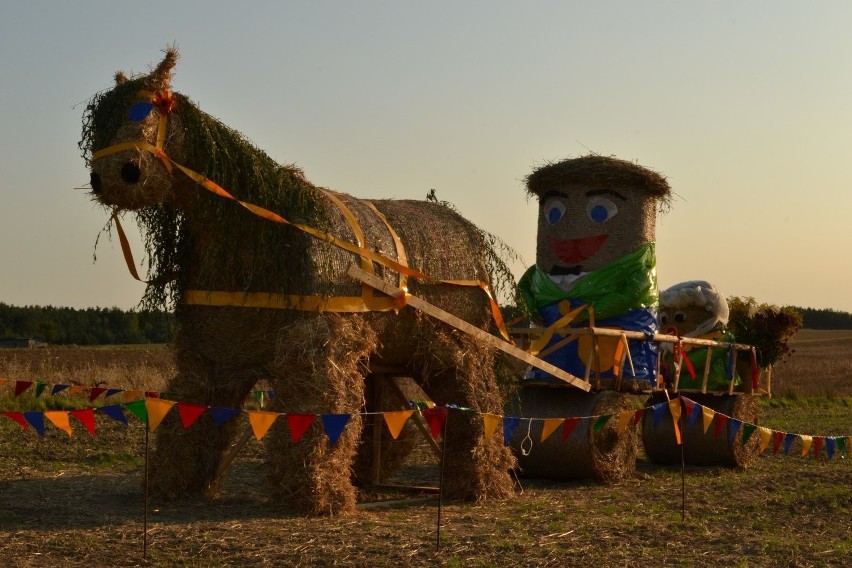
(441, 482)
(145, 515)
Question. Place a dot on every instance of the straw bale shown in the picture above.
(700, 448)
(604, 456)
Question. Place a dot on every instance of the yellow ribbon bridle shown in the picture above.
(364, 303)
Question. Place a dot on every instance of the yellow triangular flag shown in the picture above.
(674, 408)
(132, 395)
(74, 389)
(396, 420)
(59, 419)
(765, 436)
(157, 409)
(261, 421)
(806, 444)
(490, 423)
(708, 413)
(549, 427)
(624, 419)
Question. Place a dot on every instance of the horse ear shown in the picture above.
(120, 78)
(161, 78)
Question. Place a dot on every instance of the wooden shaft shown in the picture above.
(706, 370)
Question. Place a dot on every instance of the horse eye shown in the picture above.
(601, 209)
(140, 111)
(553, 210)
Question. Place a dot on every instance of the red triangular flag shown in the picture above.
(86, 416)
(688, 406)
(638, 416)
(777, 437)
(435, 418)
(298, 424)
(721, 420)
(568, 427)
(21, 386)
(18, 417)
(95, 392)
(817, 445)
(189, 413)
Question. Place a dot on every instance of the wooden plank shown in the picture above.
(458, 323)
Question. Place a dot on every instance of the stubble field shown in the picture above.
(78, 501)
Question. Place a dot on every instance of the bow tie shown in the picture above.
(565, 270)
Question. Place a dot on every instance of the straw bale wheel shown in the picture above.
(698, 309)
(594, 212)
(250, 294)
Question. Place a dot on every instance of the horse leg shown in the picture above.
(185, 460)
(456, 369)
(320, 366)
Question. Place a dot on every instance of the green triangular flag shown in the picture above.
(601, 422)
(39, 389)
(748, 430)
(258, 396)
(137, 407)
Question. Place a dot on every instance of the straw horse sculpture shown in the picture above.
(253, 258)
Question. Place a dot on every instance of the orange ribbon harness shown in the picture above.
(367, 302)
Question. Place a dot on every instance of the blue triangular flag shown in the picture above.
(735, 427)
(659, 411)
(58, 389)
(221, 415)
(111, 392)
(271, 393)
(696, 412)
(114, 411)
(509, 425)
(788, 441)
(36, 420)
(334, 425)
(830, 443)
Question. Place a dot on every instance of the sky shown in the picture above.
(745, 107)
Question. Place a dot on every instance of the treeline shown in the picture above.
(90, 326)
(825, 318)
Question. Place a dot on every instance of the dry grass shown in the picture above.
(79, 502)
(821, 365)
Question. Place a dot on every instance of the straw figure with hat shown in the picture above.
(253, 258)
(595, 265)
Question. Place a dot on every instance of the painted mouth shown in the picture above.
(575, 251)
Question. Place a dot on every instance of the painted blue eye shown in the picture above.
(140, 111)
(553, 210)
(601, 209)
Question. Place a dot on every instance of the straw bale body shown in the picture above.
(249, 294)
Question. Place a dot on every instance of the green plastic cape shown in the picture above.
(626, 283)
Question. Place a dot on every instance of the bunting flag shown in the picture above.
(261, 421)
(111, 392)
(688, 407)
(36, 420)
(86, 416)
(601, 422)
(435, 418)
(817, 446)
(74, 389)
(189, 413)
(830, 444)
(624, 419)
(396, 421)
(221, 415)
(788, 441)
(21, 387)
(60, 420)
(58, 389)
(490, 423)
(735, 428)
(114, 411)
(95, 392)
(133, 395)
(39, 388)
(157, 410)
(721, 421)
(806, 444)
(841, 444)
(776, 441)
(708, 414)
(509, 425)
(658, 410)
(259, 397)
(569, 426)
(137, 407)
(334, 425)
(748, 430)
(17, 417)
(549, 426)
(765, 435)
(674, 408)
(299, 424)
(637, 417)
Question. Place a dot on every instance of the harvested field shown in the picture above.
(79, 501)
